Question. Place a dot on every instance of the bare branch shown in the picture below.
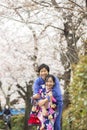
(45, 4)
(4, 6)
(19, 15)
(21, 94)
(86, 4)
(80, 21)
(76, 4)
(54, 3)
(10, 18)
(2, 90)
(21, 88)
(56, 27)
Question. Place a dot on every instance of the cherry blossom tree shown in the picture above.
(35, 32)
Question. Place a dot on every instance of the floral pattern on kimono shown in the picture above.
(48, 121)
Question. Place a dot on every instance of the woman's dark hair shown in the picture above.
(50, 76)
(43, 66)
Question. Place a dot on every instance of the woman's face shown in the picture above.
(43, 73)
(49, 83)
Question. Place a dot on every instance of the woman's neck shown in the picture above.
(48, 90)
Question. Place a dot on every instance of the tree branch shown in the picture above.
(21, 88)
(76, 4)
(21, 94)
(54, 3)
(2, 90)
(42, 3)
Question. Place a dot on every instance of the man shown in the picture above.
(7, 116)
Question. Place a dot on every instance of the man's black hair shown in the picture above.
(43, 66)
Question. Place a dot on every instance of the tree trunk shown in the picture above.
(69, 58)
(85, 47)
(28, 105)
(27, 112)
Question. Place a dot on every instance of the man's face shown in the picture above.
(43, 73)
(6, 107)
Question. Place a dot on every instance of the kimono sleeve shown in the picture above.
(36, 87)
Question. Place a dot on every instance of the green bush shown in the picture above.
(76, 116)
(1, 124)
(18, 122)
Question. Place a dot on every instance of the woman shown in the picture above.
(48, 109)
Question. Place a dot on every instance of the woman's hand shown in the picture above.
(42, 102)
(50, 94)
(36, 96)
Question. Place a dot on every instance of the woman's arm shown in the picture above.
(36, 96)
(43, 101)
(36, 88)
